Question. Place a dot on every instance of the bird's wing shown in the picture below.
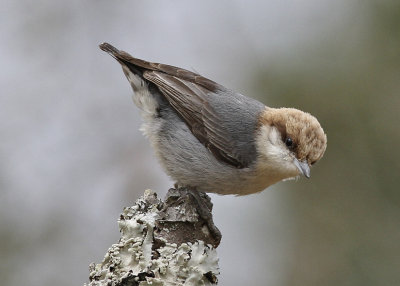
(220, 119)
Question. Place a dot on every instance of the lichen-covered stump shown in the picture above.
(162, 243)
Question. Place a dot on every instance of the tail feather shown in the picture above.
(133, 69)
(136, 65)
(113, 51)
(125, 59)
(139, 66)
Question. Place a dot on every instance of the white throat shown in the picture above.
(274, 157)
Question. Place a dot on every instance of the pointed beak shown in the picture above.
(303, 167)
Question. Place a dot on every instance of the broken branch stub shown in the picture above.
(163, 243)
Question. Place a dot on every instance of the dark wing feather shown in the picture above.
(204, 105)
(190, 100)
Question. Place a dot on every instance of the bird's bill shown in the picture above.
(303, 167)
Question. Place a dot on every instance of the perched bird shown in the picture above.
(213, 139)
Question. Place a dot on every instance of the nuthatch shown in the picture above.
(213, 139)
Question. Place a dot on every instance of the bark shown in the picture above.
(162, 243)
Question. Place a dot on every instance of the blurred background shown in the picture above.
(71, 155)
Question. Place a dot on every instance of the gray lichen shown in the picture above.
(162, 244)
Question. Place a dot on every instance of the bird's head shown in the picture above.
(289, 141)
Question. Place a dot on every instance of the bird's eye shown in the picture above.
(289, 142)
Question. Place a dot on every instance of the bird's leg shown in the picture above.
(187, 204)
(204, 208)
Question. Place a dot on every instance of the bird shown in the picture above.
(213, 139)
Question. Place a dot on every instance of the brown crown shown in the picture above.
(309, 139)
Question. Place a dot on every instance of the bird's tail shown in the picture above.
(137, 66)
(113, 51)
(133, 69)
